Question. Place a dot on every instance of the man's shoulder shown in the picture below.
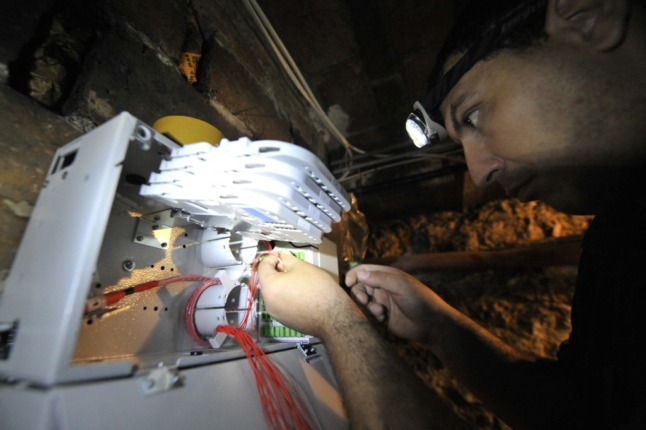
(621, 220)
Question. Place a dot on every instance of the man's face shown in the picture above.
(516, 118)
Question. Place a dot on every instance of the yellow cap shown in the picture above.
(186, 130)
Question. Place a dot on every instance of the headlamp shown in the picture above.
(433, 131)
(422, 129)
(419, 125)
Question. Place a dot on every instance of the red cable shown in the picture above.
(253, 287)
(189, 313)
(267, 246)
(113, 297)
(281, 403)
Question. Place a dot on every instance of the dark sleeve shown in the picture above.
(604, 355)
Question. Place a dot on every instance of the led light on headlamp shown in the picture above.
(424, 130)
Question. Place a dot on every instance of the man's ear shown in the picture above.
(599, 24)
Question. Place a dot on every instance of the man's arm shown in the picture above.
(380, 391)
(524, 391)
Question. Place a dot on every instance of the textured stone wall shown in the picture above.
(69, 66)
(496, 224)
(528, 309)
(90, 60)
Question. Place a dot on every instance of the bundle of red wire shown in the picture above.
(253, 288)
(281, 402)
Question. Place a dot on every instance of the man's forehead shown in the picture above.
(491, 40)
(451, 60)
(448, 64)
(454, 69)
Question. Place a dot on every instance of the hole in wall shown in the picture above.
(134, 179)
(51, 61)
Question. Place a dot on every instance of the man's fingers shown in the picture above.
(351, 278)
(277, 262)
(387, 280)
(377, 310)
(360, 295)
(268, 264)
(354, 275)
(363, 293)
(375, 300)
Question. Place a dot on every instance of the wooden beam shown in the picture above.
(560, 252)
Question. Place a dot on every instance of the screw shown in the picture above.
(128, 265)
(176, 381)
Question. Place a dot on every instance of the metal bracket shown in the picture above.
(155, 229)
(309, 351)
(7, 337)
(161, 379)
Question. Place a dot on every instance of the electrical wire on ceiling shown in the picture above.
(402, 149)
(290, 67)
(352, 168)
(369, 163)
(358, 175)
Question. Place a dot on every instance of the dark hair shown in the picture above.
(483, 29)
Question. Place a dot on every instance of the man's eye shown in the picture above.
(471, 119)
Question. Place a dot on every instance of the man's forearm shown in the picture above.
(380, 391)
(524, 391)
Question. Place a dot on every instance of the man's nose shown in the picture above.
(484, 166)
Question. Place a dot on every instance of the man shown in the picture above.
(547, 99)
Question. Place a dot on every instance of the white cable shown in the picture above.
(290, 67)
(348, 177)
(283, 55)
(293, 72)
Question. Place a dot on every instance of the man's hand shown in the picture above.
(397, 298)
(303, 296)
(379, 389)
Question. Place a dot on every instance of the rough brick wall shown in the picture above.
(68, 66)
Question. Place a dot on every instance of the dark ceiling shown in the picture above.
(367, 62)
